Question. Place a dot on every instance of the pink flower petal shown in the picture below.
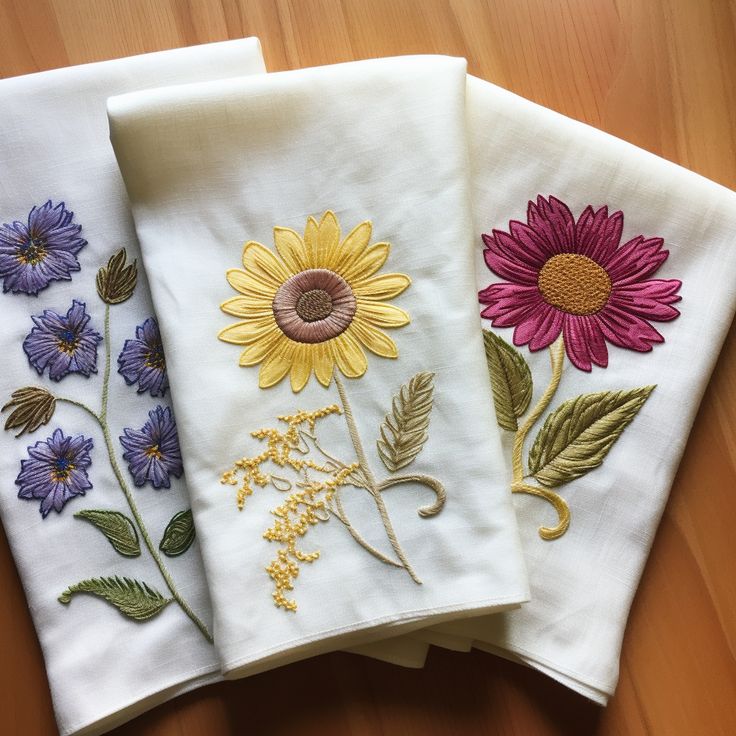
(636, 260)
(584, 341)
(505, 258)
(536, 250)
(627, 330)
(598, 235)
(649, 299)
(509, 304)
(540, 329)
(553, 222)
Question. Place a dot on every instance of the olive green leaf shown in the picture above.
(511, 380)
(32, 406)
(117, 527)
(116, 281)
(577, 436)
(178, 535)
(131, 597)
(404, 430)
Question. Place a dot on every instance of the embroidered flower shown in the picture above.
(44, 249)
(142, 360)
(152, 452)
(315, 306)
(63, 344)
(575, 278)
(55, 471)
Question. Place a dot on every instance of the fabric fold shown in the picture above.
(308, 240)
(605, 280)
(97, 520)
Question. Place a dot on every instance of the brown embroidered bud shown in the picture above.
(34, 406)
(116, 281)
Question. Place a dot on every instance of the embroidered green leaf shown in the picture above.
(179, 534)
(131, 597)
(511, 380)
(404, 430)
(578, 435)
(117, 527)
(32, 406)
(116, 281)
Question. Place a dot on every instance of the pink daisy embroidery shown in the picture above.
(576, 279)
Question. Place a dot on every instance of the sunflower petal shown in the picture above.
(368, 263)
(243, 333)
(277, 364)
(349, 356)
(354, 245)
(382, 315)
(268, 343)
(247, 306)
(385, 286)
(249, 284)
(310, 240)
(263, 264)
(376, 341)
(328, 240)
(301, 367)
(324, 363)
(291, 248)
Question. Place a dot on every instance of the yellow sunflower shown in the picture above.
(314, 306)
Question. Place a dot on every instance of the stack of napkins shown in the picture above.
(412, 339)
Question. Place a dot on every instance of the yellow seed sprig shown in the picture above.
(279, 450)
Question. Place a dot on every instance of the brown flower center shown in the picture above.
(574, 283)
(314, 305)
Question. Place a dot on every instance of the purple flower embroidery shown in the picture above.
(45, 249)
(142, 360)
(152, 452)
(55, 471)
(63, 344)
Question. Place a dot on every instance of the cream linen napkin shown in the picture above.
(113, 542)
(341, 396)
(632, 260)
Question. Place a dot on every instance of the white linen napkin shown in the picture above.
(348, 186)
(113, 641)
(631, 259)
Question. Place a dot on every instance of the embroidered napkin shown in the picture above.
(606, 285)
(94, 504)
(308, 240)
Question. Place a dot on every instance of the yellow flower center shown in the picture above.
(33, 252)
(314, 305)
(574, 284)
(153, 451)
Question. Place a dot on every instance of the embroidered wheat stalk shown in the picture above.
(404, 430)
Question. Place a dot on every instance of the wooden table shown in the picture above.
(658, 73)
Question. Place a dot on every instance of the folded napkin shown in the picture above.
(98, 520)
(606, 285)
(325, 374)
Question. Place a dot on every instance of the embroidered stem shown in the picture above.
(557, 357)
(370, 481)
(559, 504)
(101, 419)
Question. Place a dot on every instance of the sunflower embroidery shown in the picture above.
(570, 286)
(314, 306)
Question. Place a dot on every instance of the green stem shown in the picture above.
(557, 357)
(370, 479)
(102, 421)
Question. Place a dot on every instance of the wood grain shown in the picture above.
(658, 73)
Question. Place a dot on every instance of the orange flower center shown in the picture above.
(574, 284)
